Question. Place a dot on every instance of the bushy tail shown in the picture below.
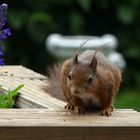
(53, 86)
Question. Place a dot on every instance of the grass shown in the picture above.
(128, 99)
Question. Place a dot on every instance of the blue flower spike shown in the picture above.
(3, 12)
(4, 32)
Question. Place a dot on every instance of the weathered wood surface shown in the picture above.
(32, 94)
(62, 118)
(54, 122)
(42, 124)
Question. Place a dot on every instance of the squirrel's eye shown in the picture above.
(69, 76)
(89, 80)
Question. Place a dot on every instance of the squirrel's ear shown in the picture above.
(75, 59)
(93, 63)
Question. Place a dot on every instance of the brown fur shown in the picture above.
(105, 83)
(53, 83)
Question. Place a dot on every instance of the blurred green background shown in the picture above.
(31, 21)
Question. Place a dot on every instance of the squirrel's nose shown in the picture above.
(76, 91)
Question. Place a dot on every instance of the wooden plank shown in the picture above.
(20, 72)
(32, 94)
(35, 95)
(54, 122)
(39, 97)
(51, 117)
(50, 124)
(70, 133)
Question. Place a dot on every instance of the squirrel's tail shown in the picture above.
(53, 86)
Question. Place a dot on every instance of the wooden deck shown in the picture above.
(42, 117)
(32, 94)
(50, 124)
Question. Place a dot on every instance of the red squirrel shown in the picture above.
(89, 79)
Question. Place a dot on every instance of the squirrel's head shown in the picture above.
(82, 76)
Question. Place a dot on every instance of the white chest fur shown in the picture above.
(90, 98)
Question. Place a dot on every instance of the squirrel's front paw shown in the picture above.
(69, 106)
(79, 110)
(112, 108)
(106, 112)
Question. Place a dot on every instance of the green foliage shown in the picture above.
(128, 99)
(85, 4)
(7, 99)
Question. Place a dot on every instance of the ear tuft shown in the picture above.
(93, 64)
(75, 59)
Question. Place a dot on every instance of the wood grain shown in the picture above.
(49, 121)
(51, 117)
(50, 124)
(70, 133)
(32, 94)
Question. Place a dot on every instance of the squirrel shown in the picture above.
(89, 79)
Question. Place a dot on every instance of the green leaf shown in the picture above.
(14, 92)
(126, 14)
(39, 25)
(40, 17)
(132, 52)
(77, 22)
(17, 18)
(85, 4)
(7, 99)
(5, 104)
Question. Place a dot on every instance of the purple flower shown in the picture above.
(1, 62)
(1, 56)
(3, 12)
(4, 32)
